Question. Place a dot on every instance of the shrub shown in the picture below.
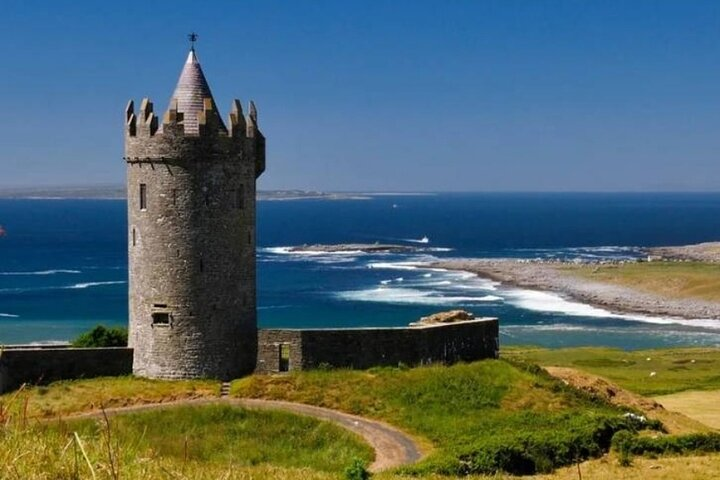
(101, 336)
(622, 443)
(540, 451)
(681, 444)
(357, 471)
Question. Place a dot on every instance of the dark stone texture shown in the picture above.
(42, 365)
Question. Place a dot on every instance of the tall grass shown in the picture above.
(71, 396)
(212, 441)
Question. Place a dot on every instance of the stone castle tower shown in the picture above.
(191, 228)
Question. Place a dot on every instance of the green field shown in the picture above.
(676, 369)
(668, 279)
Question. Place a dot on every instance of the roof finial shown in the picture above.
(193, 38)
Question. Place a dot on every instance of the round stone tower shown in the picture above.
(191, 234)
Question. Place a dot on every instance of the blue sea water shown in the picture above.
(63, 263)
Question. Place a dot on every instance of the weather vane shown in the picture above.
(193, 38)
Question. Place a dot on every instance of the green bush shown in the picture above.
(101, 336)
(539, 451)
(627, 443)
(622, 443)
(357, 471)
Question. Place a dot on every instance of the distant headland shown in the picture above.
(117, 192)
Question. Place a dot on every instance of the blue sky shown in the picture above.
(381, 95)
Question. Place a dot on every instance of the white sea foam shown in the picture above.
(423, 240)
(310, 253)
(93, 284)
(75, 286)
(480, 284)
(9, 315)
(427, 275)
(394, 265)
(441, 283)
(411, 296)
(553, 303)
(556, 327)
(41, 272)
(290, 254)
(41, 343)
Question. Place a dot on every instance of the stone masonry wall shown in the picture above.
(367, 347)
(191, 249)
(41, 365)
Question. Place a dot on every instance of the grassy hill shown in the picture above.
(481, 417)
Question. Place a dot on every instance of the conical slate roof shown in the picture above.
(192, 88)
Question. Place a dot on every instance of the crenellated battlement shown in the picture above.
(207, 121)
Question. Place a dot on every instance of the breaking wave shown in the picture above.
(423, 240)
(411, 296)
(94, 284)
(41, 272)
(9, 315)
(554, 303)
(75, 286)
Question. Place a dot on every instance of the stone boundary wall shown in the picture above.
(368, 347)
(304, 348)
(45, 364)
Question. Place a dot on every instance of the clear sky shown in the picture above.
(397, 95)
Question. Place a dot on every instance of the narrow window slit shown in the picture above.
(143, 196)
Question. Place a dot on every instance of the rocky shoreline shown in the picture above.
(701, 252)
(548, 276)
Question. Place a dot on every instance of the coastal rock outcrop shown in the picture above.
(450, 316)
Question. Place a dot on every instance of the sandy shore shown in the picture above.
(547, 276)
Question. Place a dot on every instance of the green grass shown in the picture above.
(481, 417)
(676, 369)
(65, 397)
(670, 279)
(182, 442)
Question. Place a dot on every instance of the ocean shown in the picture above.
(63, 263)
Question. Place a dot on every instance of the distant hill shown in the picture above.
(118, 192)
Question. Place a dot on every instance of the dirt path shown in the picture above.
(393, 448)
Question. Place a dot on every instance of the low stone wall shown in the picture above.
(41, 365)
(278, 350)
(368, 347)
